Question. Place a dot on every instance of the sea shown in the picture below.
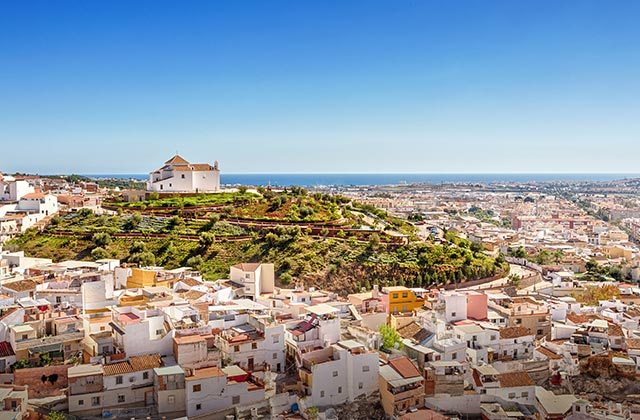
(363, 179)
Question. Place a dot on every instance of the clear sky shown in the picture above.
(320, 86)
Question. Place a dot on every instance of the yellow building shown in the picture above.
(144, 277)
(401, 299)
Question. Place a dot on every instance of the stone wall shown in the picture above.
(55, 380)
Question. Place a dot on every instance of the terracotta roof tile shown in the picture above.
(615, 330)
(551, 355)
(6, 350)
(134, 364)
(515, 379)
(633, 343)
(514, 332)
(405, 367)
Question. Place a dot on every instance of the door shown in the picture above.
(250, 362)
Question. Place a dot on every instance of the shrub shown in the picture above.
(99, 253)
(101, 239)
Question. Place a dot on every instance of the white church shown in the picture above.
(178, 175)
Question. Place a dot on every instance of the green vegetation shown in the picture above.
(597, 272)
(391, 339)
(56, 415)
(181, 202)
(592, 295)
(338, 259)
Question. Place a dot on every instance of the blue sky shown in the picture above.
(320, 86)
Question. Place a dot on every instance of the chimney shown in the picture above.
(375, 291)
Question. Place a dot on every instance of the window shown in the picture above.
(540, 332)
(365, 368)
(198, 406)
(182, 176)
(405, 295)
(339, 390)
(235, 399)
(95, 401)
(453, 314)
(454, 356)
(512, 395)
(197, 388)
(321, 394)
(254, 346)
(118, 380)
(360, 385)
(80, 402)
(25, 336)
(335, 373)
(525, 394)
(171, 399)
(276, 338)
(89, 380)
(236, 348)
(275, 356)
(145, 375)
(247, 276)
(120, 398)
(518, 321)
(493, 337)
(170, 185)
(159, 332)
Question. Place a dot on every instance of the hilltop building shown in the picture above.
(178, 175)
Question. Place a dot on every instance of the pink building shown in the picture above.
(476, 305)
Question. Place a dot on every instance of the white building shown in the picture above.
(338, 374)
(516, 343)
(12, 189)
(255, 279)
(178, 175)
(213, 390)
(137, 332)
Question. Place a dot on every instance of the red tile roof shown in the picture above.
(6, 350)
(551, 355)
(404, 367)
(134, 364)
(514, 332)
(515, 379)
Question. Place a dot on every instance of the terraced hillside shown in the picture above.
(326, 240)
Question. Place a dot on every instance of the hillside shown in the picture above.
(325, 240)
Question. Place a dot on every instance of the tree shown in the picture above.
(520, 253)
(99, 253)
(133, 222)
(138, 247)
(195, 262)
(515, 279)
(153, 196)
(206, 239)
(592, 267)
(143, 259)
(175, 223)
(242, 189)
(374, 241)
(391, 339)
(101, 239)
